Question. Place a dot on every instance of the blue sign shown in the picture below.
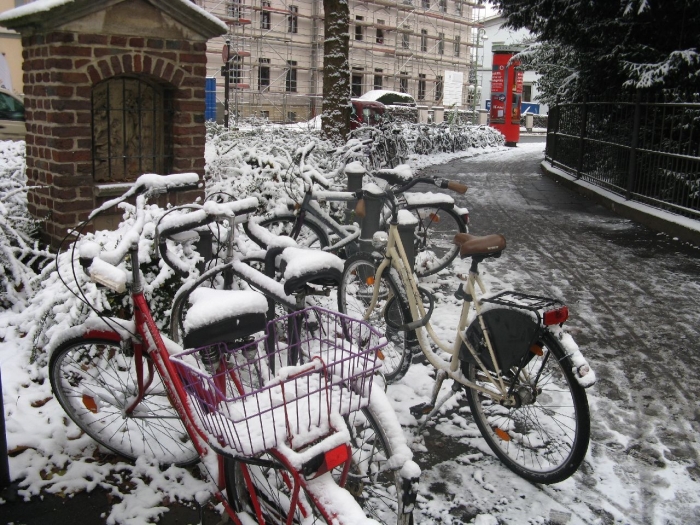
(529, 107)
(525, 107)
(210, 99)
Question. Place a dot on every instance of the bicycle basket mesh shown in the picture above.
(284, 386)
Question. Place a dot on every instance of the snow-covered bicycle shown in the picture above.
(306, 221)
(523, 374)
(281, 420)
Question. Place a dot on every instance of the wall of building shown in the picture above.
(387, 48)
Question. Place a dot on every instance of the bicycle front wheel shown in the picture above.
(272, 492)
(434, 235)
(377, 488)
(94, 380)
(545, 438)
(354, 297)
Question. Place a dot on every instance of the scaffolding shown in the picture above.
(398, 45)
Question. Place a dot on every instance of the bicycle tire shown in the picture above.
(93, 380)
(310, 235)
(544, 441)
(272, 491)
(377, 488)
(434, 246)
(354, 297)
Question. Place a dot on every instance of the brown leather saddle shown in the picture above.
(480, 246)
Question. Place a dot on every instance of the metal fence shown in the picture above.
(644, 149)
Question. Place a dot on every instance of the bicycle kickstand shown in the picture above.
(433, 407)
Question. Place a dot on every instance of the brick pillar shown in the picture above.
(60, 70)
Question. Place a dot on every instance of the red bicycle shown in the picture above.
(281, 421)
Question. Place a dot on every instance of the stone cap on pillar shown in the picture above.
(44, 15)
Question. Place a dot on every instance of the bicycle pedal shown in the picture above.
(421, 410)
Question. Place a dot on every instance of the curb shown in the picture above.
(656, 219)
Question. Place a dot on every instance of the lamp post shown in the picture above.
(480, 35)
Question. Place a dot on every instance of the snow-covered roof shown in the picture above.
(376, 94)
(44, 14)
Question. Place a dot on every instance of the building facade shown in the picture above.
(494, 34)
(10, 52)
(425, 48)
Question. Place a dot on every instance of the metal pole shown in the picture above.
(227, 70)
(476, 75)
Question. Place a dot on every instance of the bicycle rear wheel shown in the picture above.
(94, 380)
(354, 297)
(545, 439)
(434, 245)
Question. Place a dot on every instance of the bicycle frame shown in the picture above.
(395, 257)
(150, 340)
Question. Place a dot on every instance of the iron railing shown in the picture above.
(644, 149)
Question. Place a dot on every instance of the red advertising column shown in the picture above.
(506, 93)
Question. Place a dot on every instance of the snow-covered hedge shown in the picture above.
(21, 257)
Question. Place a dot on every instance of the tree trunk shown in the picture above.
(335, 119)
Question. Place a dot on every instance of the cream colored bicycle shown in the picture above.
(523, 375)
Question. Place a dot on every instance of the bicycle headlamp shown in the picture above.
(380, 239)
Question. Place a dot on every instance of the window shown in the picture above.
(291, 116)
(424, 40)
(265, 17)
(443, 6)
(458, 7)
(359, 30)
(264, 74)
(265, 115)
(291, 80)
(293, 20)
(380, 32)
(378, 78)
(405, 40)
(236, 73)
(425, 4)
(403, 82)
(233, 8)
(457, 43)
(132, 122)
(527, 92)
(10, 108)
(421, 87)
(356, 83)
(441, 44)
(438, 88)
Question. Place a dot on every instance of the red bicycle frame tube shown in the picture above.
(147, 329)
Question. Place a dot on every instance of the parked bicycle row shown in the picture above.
(283, 331)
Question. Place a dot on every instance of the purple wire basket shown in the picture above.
(285, 386)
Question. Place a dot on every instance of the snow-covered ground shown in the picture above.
(642, 466)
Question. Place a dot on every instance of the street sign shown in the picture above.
(224, 53)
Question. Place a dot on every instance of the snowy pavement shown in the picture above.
(634, 298)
